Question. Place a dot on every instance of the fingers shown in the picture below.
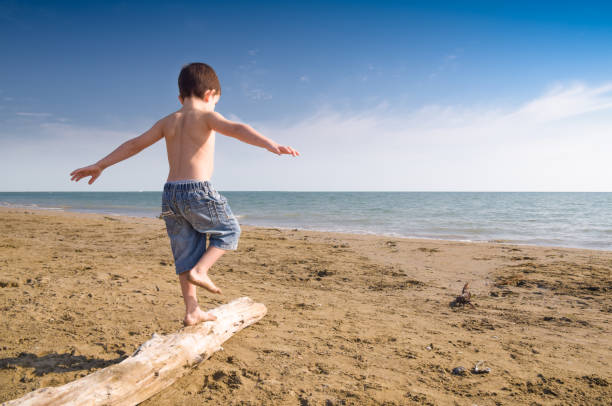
(81, 173)
(289, 151)
(75, 172)
(78, 175)
(279, 150)
(77, 178)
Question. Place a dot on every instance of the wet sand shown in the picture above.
(352, 319)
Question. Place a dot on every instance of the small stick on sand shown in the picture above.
(464, 298)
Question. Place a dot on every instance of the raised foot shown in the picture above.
(198, 316)
(201, 279)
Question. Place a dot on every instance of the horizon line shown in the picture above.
(319, 191)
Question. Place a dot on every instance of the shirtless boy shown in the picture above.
(191, 206)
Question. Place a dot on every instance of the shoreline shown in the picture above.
(353, 319)
(64, 210)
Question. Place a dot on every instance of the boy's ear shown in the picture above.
(181, 99)
(210, 93)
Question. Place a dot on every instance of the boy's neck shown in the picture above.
(195, 103)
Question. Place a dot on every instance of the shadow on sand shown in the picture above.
(56, 362)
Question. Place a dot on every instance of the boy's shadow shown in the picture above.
(56, 362)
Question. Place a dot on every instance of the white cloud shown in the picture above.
(42, 157)
(558, 141)
(562, 101)
(29, 114)
(62, 130)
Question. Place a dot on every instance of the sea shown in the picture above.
(578, 220)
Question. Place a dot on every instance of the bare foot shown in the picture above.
(201, 279)
(198, 316)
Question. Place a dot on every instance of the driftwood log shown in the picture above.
(155, 365)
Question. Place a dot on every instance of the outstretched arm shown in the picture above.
(124, 151)
(246, 133)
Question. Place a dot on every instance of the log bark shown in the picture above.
(155, 365)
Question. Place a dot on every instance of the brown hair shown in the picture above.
(196, 78)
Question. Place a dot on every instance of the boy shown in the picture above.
(191, 207)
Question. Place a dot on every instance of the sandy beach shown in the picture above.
(352, 319)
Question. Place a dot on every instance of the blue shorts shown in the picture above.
(192, 210)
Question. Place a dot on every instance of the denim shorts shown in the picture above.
(192, 210)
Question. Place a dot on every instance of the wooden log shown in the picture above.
(155, 365)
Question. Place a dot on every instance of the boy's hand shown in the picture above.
(279, 150)
(92, 170)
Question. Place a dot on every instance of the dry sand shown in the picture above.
(352, 319)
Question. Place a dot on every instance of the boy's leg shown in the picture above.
(198, 275)
(193, 313)
(211, 215)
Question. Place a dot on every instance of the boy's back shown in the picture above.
(190, 145)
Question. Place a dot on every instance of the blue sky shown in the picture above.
(375, 95)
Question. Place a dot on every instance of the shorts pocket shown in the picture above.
(210, 195)
(198, 195)
(173, 223)
(165, 210)
(222, 211)
(217, 197)
(202, 213)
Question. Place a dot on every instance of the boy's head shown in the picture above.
(196, 79)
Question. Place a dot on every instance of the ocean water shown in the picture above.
(580, 220)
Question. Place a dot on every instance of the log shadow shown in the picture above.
(56, 362)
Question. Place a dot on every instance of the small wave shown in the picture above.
(29, 206)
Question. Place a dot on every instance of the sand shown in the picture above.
(352, 319)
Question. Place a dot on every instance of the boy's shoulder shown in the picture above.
(197, 114)
(174, 119)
